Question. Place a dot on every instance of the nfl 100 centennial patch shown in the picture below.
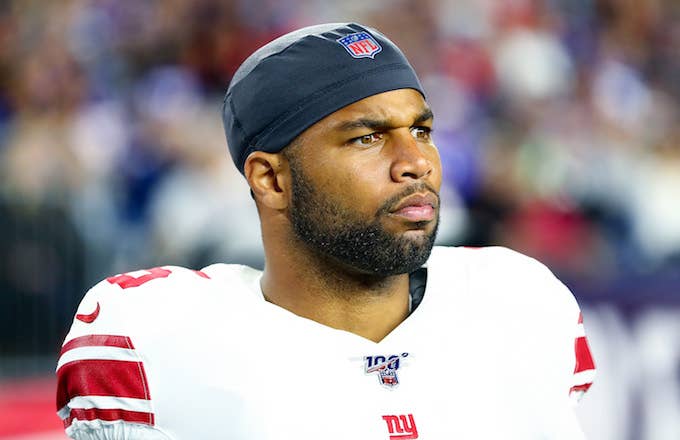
(385, 367)
(360, 45)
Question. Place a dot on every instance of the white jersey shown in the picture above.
(494, 350)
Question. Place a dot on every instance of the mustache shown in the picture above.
(420, 187)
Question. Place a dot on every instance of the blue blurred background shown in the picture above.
(557, 122)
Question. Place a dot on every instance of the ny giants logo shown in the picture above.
(386, 367)
(360, 45)
(401, 427)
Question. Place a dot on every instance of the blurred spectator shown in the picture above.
(41, 279)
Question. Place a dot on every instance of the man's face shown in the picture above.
(365, 185)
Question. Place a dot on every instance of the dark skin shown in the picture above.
(360, 156)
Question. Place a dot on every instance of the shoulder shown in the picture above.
(496, 258)
(116, 302)
(170, 283)
(149, 301)
(522, 302)
(124, 328)
(496, 265)
(501, 278)
(146, 283)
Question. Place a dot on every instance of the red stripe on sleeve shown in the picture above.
(584, 360)
(580, 318)
(97, 341)
(126, 281)
(582, 388)
(109, 415)
(101, 378)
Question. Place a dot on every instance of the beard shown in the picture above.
(343, 236)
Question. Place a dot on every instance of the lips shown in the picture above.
(417, 208)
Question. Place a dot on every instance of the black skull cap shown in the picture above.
(299, 78)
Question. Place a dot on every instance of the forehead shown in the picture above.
(397, 107)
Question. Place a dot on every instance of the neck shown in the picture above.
(322, 290)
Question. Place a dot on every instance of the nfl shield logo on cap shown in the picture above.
(360, 45)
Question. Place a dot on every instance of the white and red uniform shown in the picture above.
(495, 349)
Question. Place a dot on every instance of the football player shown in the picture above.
(357, 327)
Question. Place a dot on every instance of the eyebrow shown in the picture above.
(380, 124)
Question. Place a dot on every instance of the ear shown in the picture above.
(268, 177)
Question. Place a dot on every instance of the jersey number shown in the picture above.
(125, 281)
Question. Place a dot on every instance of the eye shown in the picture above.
(367, 139)
(422, 133)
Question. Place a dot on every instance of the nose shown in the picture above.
(411, 160)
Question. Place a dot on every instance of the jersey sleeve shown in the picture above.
(567, 320)
(555, 310)
(557, 323)
(567, 333)
(102, 386)
(584, 366)
(568, 329)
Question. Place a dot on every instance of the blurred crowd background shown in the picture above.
(557, 122)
